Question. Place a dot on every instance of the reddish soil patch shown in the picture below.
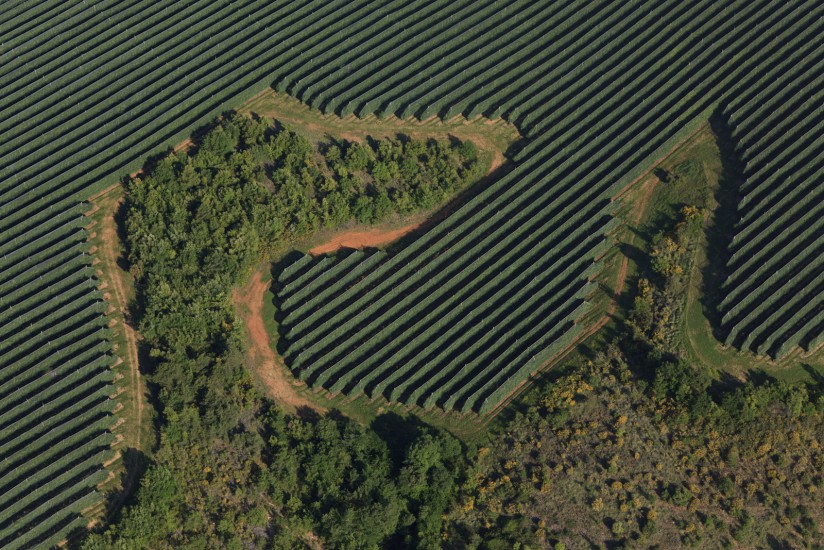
(363, 238)
(270, 371)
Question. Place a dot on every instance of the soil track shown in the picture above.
(271, 372)
(107, 250)
(110, 251)
(362, 238)
(647, 188)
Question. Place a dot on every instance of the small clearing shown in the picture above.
(271, 372)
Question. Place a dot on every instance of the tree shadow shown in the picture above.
(147, 365)
(308, 414)
(399, 433)
(776, 544)
(665, 176)
(120, 228)
(135, 463)
(722, 227)
(816, 385)
(816, 375)
(725, 385)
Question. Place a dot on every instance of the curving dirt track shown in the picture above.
(280, 385)
(360, 238)
(109, 252)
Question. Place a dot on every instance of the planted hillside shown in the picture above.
(200, 220)
(637, 443)
(513, 264)
(590, 85)
(631, 445)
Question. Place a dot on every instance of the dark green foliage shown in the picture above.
(284, 480)
(339, 475)
(655, 318)
(378, 178)
(153, 519)
(194, 225)
(232, 470)
(198, 221)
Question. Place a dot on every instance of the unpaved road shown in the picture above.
(110, 251)
(280, 385)
(360, 238)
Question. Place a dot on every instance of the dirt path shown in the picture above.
(359, 238)
(648, 188)
(109, 252)
(498, 158)
(269, 370)
(619, 285)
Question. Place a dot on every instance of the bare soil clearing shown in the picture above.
(281, 386)
(360, 238)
